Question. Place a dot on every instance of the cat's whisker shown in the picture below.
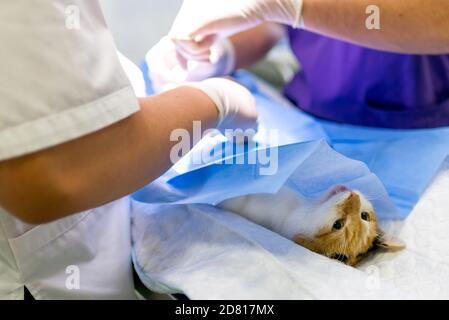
(371, 197)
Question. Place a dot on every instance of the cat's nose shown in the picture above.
(353, 195)
(352, 204)
(338, 189)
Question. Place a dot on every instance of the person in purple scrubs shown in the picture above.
(351, 84)
(379, 66)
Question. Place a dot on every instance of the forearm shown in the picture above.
(105, 165)
(252, 45)
(412, 26)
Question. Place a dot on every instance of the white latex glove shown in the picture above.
(200, 22)
(168, 69)
(236, 105)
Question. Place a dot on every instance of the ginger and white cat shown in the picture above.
(341, 225)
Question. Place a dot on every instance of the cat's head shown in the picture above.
(344, 227)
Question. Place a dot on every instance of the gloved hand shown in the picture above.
(236, 105)
(168, 68)
(200, 22)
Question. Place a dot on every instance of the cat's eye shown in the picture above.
(365, 216)
(338, 224)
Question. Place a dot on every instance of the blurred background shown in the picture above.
(139, 24)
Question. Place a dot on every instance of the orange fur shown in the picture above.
(353, 241)
(307, 222)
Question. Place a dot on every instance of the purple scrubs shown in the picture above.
(347, 83)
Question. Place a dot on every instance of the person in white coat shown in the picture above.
(74, 142)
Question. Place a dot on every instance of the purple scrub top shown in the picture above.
(347, 83)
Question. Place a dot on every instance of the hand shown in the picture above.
(168, 68)
(201, 22)
(236, 105)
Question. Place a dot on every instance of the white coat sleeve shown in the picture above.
(60, 77)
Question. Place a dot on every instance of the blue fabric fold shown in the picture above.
(313, 155)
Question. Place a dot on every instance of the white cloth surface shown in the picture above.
(208, 253)
(423, 267)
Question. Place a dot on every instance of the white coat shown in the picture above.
(60, 79)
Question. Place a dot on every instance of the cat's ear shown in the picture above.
(389, 242)
(302, 241)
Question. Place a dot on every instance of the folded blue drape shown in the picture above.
(388, 166)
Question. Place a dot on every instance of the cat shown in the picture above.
(341, 225)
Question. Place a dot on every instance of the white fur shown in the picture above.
(288, 213)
